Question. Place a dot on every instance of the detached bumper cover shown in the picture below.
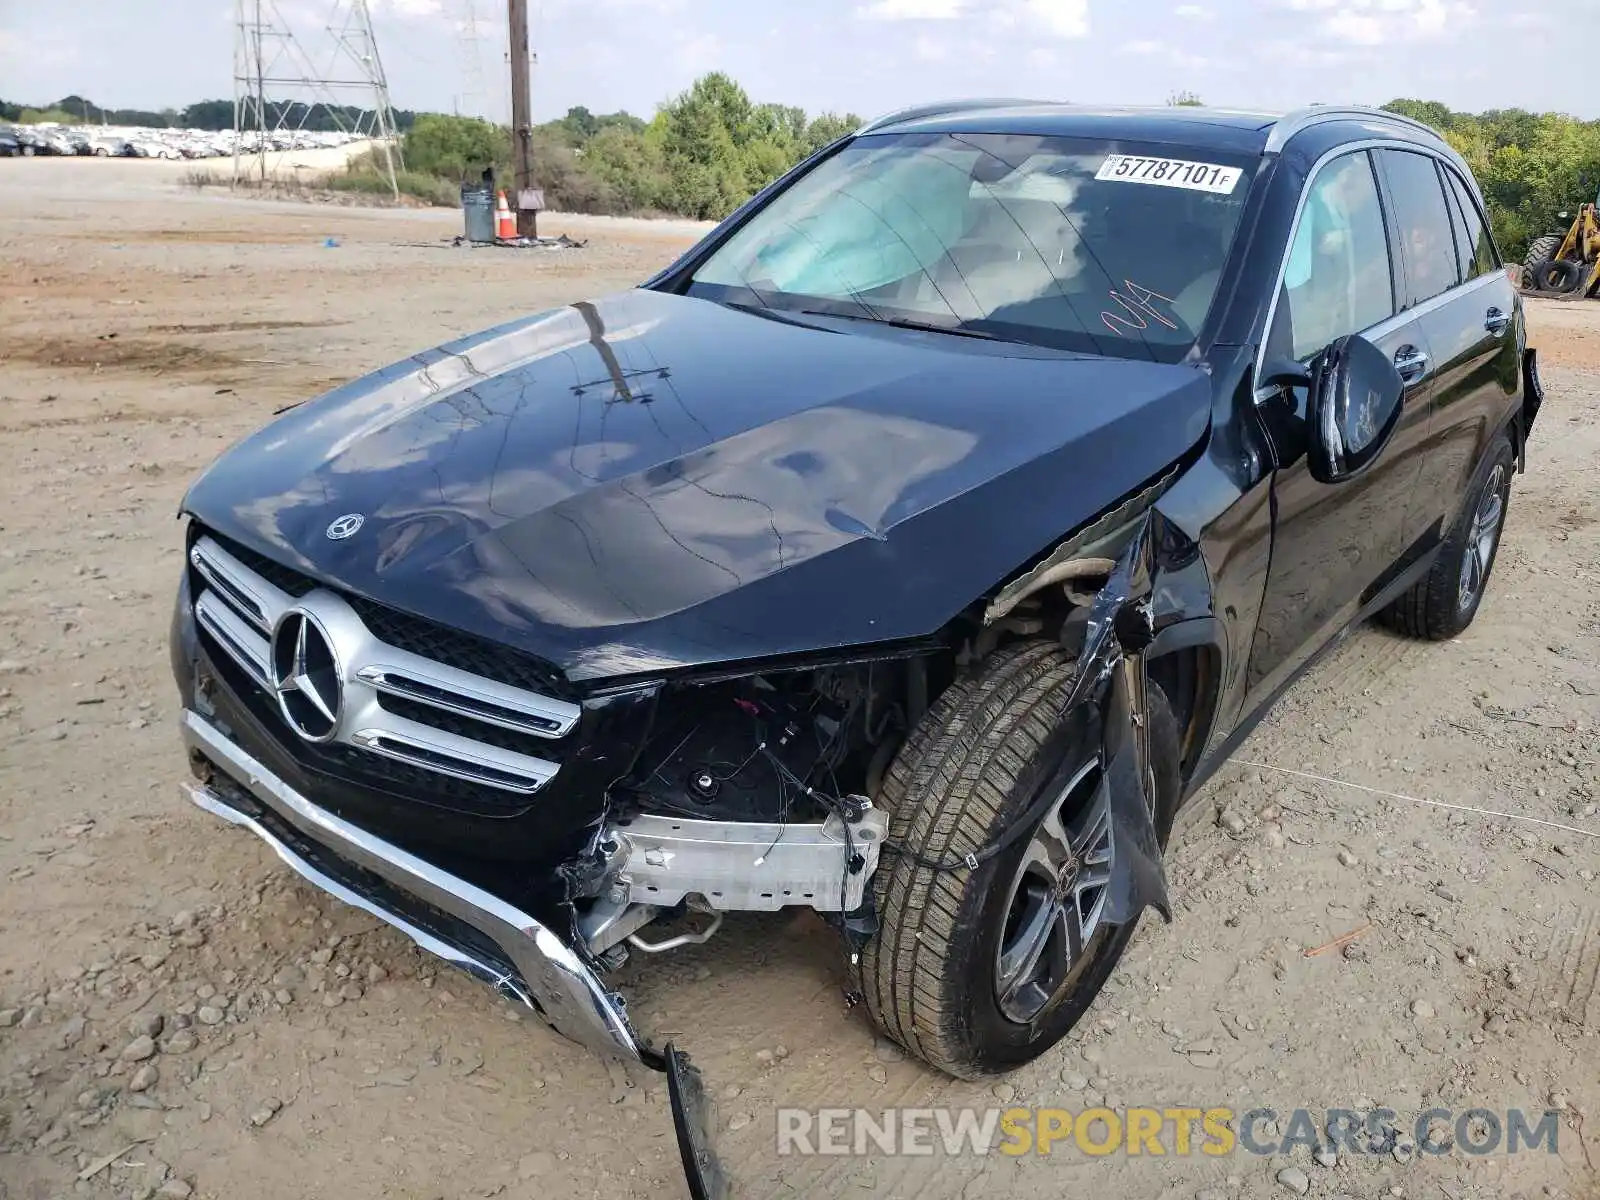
(443, 914)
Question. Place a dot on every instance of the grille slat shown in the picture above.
(464, 725)
(404, 715)
(464, 651)
(234, 635)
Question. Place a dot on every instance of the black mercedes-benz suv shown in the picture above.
(908, 550)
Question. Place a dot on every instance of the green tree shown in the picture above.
(456, 148)
(632, 166)
(1531, 166)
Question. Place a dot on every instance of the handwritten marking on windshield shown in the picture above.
(1138, 311)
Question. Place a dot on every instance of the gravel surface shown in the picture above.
(183, 1017)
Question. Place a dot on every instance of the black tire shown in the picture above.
(1542, 250)
(982, 755)
(1559, 275)
(1441, 605)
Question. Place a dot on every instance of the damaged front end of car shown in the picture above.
(749, 790)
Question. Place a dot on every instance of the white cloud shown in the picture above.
(1060, 18)
(700, 53)
(1175, 55)
(1376, 22)
(1195, 12)
(912, 10)
(410, 8)
(1360, 29)
(1054, 18)
(930, 49)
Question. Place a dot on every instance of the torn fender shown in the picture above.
(1111, 678)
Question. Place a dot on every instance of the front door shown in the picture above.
(1331, 543)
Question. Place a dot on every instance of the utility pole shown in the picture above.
(522, 120)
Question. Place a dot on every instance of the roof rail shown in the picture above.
(1292, 123)
(940, 109)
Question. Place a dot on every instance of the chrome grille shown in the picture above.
(432, 725)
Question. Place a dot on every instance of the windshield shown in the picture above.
(1079, 244)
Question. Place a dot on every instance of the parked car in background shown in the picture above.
(32, 141)
(10, 145)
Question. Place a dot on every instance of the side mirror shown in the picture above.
(1357, 396)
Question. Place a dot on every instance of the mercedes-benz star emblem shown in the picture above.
(346, 526)
(305, 674)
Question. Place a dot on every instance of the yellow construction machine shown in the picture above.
(1566, 264)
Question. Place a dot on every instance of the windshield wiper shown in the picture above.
(907, 323)
(784, 316)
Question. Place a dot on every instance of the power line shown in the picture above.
(268, 55)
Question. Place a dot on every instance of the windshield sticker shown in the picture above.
(1170, 172)
(1138, 310)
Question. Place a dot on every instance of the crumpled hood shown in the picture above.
(653, 481)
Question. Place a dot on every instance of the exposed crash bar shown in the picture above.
(553, 980)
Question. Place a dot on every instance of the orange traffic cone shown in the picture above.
(505, 223)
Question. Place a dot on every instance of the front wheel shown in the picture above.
(1445, 600)
(978, 971)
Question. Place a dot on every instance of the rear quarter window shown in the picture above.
(1477, 252)
(1422, 219)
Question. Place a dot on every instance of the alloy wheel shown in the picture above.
(1056, 902)
(1481, 539)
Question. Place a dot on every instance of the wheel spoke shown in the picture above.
(1073, 934)
(1481, 538)
(1053, 909)
(1020, 960)
(1091, 833)
(1052, 842)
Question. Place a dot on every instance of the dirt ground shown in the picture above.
(302, 1050)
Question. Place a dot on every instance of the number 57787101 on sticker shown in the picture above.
(1170, 172)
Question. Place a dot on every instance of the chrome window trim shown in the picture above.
(1382, 327)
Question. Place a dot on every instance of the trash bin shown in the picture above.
(477, 208)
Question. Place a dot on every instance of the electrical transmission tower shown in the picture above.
(474, 99)
(277, 83)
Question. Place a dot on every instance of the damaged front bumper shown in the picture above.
(466, 925)
(449, 917)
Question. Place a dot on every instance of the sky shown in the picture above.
(861, 56)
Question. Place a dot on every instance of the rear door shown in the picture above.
(1470, 325)
(1332, 544)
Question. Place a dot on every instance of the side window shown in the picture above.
(1479, 244)
(1337, 278)
(1420, 215)
(1466, 244)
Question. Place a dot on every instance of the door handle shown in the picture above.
(1495, 321)
(1411, 363)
